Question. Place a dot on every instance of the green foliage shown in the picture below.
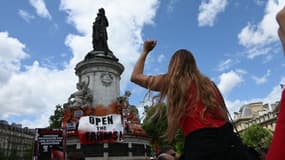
(13, 155)
(2, 155)
(56, 119)
(257, 137)
(156, 128)
(28, 153)
(179, 141)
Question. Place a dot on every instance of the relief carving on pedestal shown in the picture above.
(106, 79)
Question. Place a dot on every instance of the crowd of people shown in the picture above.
(197, 106)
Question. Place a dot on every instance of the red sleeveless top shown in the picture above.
(276, 149)
(193, 121)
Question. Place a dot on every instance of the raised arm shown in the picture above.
(281, 31)
(146, 81)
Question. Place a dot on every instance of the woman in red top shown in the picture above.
(194, 104)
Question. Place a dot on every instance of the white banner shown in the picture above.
(108, 123)
(93, 129)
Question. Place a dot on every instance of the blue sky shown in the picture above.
(235, 44)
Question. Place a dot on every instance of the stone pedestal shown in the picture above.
(132, 148)
(102, 74)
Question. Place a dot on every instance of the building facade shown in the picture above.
(256, 113)
(15, 142)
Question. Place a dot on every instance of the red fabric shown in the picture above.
(277, 148)
(193, 120)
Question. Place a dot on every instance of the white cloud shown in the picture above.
(160, 58)
(225, 64)
(36, 91)
(255, 51)
(234, 106)
(260, 2)
(271, 98)
(41, 9)
(39, 122)
(171, 4)
(25, 15)
(256, 36)
(11, 53)
(79, 47)
(263, 79)
(11, 48)
(275, 94)
(208, 11)
(241, 71)
(230, 80)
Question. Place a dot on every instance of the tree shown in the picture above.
(257, 137)
(178, 142)
(28, 152)
(156, 127)
(13, 155)
(2, 154)
(56, 119)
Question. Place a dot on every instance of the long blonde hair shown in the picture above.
(182, 74)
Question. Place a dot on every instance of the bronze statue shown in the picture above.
(100, 36)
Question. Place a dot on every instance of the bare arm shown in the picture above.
(280, 17)
(138, 77)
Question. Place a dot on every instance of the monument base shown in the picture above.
(131, 148)
(103, 54)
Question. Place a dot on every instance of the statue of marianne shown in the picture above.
(100, 36)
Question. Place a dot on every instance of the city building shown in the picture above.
(256, 113)
(15, 141)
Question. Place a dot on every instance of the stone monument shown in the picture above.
(98, 122)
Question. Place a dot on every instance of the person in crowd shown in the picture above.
(166, 152)
(194, 104)
(276, 149)
(165, 156)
